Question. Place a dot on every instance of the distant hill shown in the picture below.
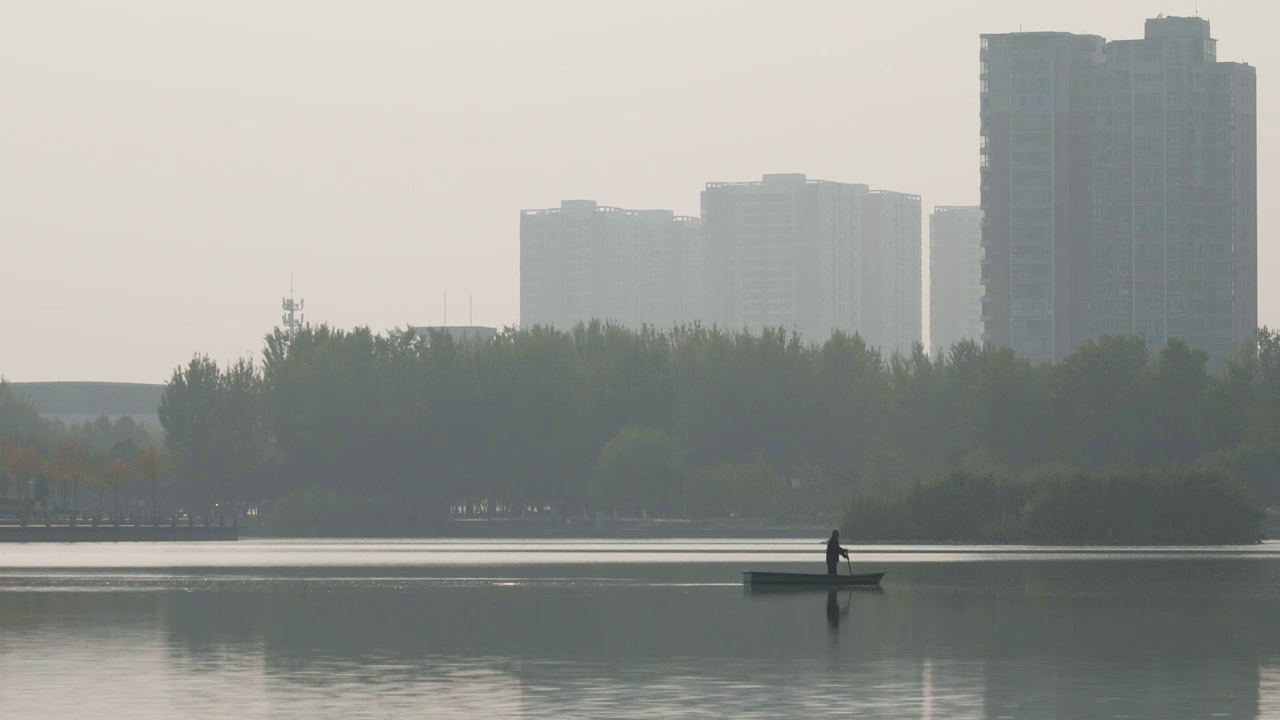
(78, 401)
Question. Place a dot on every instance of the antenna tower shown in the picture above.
(292, 319)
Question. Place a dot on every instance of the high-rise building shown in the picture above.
(955, 276)
(1183, 195)
(584, 261)
(667, 264)
(1119, 186)
(1039, 101)
(783, 252)
(890, 280)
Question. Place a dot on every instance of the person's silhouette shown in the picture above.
(834, 552)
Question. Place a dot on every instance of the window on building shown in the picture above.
(1032, 196)
(1032, 122)
(1148, 181)
(1033, 234)
(1032, 215)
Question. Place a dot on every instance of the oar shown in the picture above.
(848, 564)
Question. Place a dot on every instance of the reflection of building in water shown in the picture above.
(926, 690)
(1139, 683)
(1269, 689)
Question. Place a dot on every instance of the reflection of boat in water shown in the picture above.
(794, 590)
(812, 580)
(805, 592)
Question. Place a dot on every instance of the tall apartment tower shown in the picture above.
(1039, 100)
(1119, 186)
(1184, 190)
(890, 280)
(783, 252)
(584, 261)
(955, 276)
(667, 264)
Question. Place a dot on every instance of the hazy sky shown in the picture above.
(165, 166)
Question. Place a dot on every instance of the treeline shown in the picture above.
(694, 421)
(46, 464)
(1061, 506)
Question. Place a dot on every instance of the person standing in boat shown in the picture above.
(834, 552)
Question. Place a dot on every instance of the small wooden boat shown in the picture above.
(771, 578)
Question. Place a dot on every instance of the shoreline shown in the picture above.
(516, 529)
(113, 533)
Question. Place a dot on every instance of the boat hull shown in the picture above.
(771, 578)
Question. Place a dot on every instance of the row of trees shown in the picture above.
(541, 417)
(50, 462)
(644, 470)
(56, 479)
(1058, 505)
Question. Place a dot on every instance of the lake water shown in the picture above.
(616, 629)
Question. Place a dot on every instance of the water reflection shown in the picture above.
(1073, 638)
(834, 611)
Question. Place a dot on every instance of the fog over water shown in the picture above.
(165, 167)
(636, 629)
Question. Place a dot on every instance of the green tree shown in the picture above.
(213, 419)
(708, 491)
(24, 462)
(191, 413)
(1180, 413)
(757, 488)
(69, 466)
(19, 419)
(1106, 391)
(116, 475)
(7, 448)
(1009, 409)
(151, 464)
(640, 468)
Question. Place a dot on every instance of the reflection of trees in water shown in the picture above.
(1066, 638)
(46, 611)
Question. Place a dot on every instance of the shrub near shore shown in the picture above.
(1064, 507)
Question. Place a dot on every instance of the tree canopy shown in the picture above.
(605, 416)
